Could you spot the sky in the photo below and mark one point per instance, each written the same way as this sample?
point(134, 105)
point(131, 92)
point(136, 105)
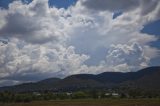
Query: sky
point(41, 39)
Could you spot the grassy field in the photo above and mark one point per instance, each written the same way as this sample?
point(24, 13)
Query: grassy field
point(91, 102)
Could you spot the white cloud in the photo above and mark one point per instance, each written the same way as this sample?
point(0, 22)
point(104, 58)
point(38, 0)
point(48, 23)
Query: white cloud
point(146, 7)
point(133, 56)
point(37, 59)
point(123, 58)
point(47, 42)
point(35, 23)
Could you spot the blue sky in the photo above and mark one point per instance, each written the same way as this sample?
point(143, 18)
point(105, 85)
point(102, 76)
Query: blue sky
point(153, 29)
point(57, 3)
point(62, 4)
point(91, 37)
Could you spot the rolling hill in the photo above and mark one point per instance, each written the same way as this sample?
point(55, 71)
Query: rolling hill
point(148, 78)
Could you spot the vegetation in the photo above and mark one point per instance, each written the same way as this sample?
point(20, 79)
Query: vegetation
point(76, 91)
point(119, 93)
point(90, 102)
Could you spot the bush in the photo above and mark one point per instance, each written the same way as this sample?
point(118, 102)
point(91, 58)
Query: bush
point(79, 95)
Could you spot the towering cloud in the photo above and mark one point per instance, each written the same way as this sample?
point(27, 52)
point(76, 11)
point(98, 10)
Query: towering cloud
point(50, 42)
point(34, 23)
point(120, 55)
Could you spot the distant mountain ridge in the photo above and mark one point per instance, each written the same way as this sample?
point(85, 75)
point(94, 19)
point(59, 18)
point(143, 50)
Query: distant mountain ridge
point(148, 78)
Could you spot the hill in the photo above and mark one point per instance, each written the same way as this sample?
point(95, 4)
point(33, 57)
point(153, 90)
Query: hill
point(148, 78)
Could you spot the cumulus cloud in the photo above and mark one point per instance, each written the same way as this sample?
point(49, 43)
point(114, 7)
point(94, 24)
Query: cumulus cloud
point(146, 7)
point(49, 42)
point(123, 58)
point(121, 54)
point(29, 61)
point(34, 23)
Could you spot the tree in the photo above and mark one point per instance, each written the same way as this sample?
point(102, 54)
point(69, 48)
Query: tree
point(79, 95)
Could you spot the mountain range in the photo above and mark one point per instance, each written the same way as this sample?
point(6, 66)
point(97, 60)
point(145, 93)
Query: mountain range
point(148, 78)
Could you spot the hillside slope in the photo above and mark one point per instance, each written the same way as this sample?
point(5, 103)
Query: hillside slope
point(148, 78)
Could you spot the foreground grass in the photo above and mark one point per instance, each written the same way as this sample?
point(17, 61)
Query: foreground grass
point(91, 102)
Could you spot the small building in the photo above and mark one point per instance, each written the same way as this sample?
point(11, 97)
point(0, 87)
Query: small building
point(115, 94)
point(68, 93)
point(107, 94)
point(36, 93)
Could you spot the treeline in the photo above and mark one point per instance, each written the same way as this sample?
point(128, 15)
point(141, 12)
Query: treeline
point(139, 93)
point(7, 97)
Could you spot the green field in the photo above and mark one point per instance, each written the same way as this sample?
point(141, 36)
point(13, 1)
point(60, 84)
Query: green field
point(91, 102)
